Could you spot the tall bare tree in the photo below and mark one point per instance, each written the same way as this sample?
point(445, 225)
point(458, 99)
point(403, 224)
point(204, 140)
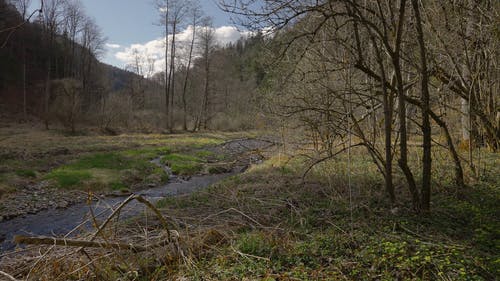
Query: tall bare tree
point(74, 20)
point(172, 12)
point(195, 14)
point(207, 44)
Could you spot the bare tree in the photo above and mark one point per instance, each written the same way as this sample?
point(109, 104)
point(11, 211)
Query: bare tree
point(164, 8)
point(207, 44)
point(52, 19)
point(92, 41)
point(67, 95)
point(173, 12)
point(195, 13)
point(137, 90)
point(368, 45)
point(74, 20)
point(23, 6)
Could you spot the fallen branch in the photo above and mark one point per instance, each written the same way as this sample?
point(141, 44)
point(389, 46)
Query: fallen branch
point(21, 239)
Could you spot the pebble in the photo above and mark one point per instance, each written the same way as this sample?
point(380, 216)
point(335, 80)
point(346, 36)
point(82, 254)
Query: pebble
point(33, 198)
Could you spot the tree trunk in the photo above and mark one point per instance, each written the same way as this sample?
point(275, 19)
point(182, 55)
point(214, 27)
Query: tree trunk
point(47, 96)
point(207, 90)
point(426, 124)
point(403, 143)
point(25, 111)
point(167, 82)
point(171, 75)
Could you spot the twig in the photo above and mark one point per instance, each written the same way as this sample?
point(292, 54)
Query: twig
point(90, 263)
point(249, 255)
point(123, 204)
point(234, 210)
point(8, 276)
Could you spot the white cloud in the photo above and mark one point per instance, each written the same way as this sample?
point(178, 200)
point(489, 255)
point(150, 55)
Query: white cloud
point(229, 34)
point(113, 46)
point(154, 50)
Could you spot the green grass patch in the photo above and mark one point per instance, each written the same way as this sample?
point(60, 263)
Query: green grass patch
point(186, 168)
point(255, 243)
point(147, 153)
point(204, 154)
point(110, 170)
point(111, 160)
point(26, 173)
point(176, 157)
point(68, 178)
point(118, 186)
point(183, 164)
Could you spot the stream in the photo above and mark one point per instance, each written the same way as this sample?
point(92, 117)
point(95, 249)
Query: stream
point(57, 222)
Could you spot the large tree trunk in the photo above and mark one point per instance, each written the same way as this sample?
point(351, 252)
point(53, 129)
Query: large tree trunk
point(403, 143)
point(426, 124)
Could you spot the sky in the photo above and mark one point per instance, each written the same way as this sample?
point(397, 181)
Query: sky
point(132, 24)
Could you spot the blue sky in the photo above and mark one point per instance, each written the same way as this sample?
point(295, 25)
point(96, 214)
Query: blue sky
point(128, 23)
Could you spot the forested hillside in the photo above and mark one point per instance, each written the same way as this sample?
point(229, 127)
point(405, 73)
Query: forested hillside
point(45, 51)
point(50, 71)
